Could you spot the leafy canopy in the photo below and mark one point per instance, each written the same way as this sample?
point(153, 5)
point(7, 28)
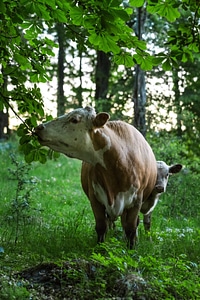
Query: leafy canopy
point(26, 49)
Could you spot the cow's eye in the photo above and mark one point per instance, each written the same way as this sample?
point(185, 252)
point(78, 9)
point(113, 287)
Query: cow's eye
point(74, 120)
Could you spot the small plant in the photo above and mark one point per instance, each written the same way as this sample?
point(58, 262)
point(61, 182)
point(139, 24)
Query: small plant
point(20, 210)
point(113, 255)
point(114, 262)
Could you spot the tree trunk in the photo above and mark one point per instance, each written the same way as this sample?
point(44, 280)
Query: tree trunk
point(177, 101)
point(139, 98)
point(139, 90)
point(79, 91)
point(60, 72)
point(4, 116)
point(3, 125)
point(102, 81)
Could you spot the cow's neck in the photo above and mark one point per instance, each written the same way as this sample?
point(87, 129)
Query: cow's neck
point(98, 144)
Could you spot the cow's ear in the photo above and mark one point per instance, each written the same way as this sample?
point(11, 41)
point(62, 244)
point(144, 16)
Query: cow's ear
point(100, 119)
point(175, 168)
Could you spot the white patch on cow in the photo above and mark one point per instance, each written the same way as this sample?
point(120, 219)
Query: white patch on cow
point(99, 154)
point(123, 200)
point(154, 205)
point(86, 151)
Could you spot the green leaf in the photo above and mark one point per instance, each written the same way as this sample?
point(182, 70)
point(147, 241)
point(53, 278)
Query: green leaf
point(107, 16)
point(51, 3)
point(2, 7)
point(187, 55)
point(1, 106)
point(94, 38)
point(29, 157)
point(89, 22)
point(113, 29)
point(157, 60)
point(56, 155)
point(194, 47)
point(105, 42)
point(167, 65)
point(165, 9)
point(114, 3)
point(122, 14)
point(26, 66)
point(136, 3)
point(108, 44)
point(76, 13)
point(21, 130)
point(33, 119)
point(42, 158)
point(35, 154)
point(26, 148)
point(172, 14)
point(144, 61)
point(59, 15)
point(25, 139)
point(43, 78)
point(33, 77)
point(32, 32)
point(138, 43)
point(125, 59)
point(23, 61)
point(184, 57)
point(26, 24)
point(41, 11)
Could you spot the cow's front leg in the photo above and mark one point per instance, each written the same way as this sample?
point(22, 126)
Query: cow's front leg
point(100, 219)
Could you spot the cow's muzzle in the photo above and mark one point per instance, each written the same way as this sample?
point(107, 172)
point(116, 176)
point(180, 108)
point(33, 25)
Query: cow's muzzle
point(159, 189)
point(38, 131)
point(39, 128)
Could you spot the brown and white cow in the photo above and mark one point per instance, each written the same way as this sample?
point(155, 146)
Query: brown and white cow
point(163, 173)
point(119, 169)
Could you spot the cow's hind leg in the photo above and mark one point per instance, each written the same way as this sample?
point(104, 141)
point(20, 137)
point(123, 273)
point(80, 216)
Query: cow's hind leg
point(147, 225)
point(100, 219)
point(147, 222)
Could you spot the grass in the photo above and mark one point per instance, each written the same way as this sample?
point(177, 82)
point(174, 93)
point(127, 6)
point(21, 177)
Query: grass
point(49, 219)
point(58, 208)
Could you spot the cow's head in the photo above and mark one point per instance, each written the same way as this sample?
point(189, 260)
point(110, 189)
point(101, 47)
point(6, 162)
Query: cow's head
point(163, 172)
point(71, 133)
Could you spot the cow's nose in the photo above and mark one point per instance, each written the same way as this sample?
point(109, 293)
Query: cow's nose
point(39, 128)
point(159, 188)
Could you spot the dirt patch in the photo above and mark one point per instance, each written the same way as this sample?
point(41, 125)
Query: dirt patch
point(80, 279)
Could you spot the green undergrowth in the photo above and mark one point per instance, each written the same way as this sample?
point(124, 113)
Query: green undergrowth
point(45, 218)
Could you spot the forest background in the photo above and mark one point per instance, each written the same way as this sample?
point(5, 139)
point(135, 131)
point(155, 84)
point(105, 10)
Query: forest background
point(139, 61)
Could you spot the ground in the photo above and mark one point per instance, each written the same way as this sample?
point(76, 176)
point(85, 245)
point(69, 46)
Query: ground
point(77, 279)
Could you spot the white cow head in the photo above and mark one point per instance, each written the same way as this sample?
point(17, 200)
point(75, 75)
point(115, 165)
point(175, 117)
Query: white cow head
point(71, 133)
point(163, 172)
